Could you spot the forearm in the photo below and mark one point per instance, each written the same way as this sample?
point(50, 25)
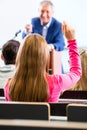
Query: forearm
point(74, 58)
point(59, 46)
point(23, 34)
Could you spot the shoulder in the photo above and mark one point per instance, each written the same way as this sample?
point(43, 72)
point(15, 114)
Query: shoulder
point(36, 22)
point(52, 78)
point(7, 82)
point(55, 23)
point(54, 20)
point(35, 19)
point(6, 90)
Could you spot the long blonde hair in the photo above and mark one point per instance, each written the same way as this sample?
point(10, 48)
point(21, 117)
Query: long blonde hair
point(29, 81)
point(82, 83)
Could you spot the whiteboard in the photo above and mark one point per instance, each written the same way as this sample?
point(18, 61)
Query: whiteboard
point(14, 14)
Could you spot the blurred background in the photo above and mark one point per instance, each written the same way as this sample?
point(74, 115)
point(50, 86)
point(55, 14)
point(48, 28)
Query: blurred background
point(15, 14)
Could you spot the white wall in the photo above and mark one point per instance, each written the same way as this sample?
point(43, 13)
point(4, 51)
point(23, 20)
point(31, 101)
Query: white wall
point(14, 14)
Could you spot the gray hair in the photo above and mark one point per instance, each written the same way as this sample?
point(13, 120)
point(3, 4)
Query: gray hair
point(47, 2)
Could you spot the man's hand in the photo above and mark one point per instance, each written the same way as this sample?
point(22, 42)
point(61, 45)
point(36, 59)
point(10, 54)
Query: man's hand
point(28, 28)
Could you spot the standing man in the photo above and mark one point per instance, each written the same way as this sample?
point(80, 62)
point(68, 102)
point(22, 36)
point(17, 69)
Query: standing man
point(47, 26)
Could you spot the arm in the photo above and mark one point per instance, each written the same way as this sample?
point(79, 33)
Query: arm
point(28, 29)
point(71, 78)
point(55, 36)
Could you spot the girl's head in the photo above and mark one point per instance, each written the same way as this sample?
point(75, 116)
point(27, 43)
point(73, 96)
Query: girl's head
point(34, 54)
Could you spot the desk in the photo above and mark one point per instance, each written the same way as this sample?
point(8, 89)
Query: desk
point(72, 101)
point(41, 125)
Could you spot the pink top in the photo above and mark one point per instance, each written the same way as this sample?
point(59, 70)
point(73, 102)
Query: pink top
point(58, 83)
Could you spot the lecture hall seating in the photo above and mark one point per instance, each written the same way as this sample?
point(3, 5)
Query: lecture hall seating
point(24, 110)
point(73, 94)
point(76, 112)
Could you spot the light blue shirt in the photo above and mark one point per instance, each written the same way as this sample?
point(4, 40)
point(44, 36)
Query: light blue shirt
point(45, 29)
point(44, 32)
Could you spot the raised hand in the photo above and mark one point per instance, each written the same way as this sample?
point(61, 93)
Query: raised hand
point(68, 31)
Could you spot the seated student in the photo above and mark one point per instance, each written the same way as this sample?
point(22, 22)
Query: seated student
point(30, 81)
point(82, 83)
point(8, 55)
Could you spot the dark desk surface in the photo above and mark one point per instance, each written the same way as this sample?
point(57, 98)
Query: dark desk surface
point(59, 109)
point(73, 94)
point(67, 100)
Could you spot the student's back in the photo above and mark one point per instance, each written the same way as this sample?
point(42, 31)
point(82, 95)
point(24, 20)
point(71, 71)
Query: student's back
point(8, 56)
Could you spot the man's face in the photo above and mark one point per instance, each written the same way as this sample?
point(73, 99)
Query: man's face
point(46, 13)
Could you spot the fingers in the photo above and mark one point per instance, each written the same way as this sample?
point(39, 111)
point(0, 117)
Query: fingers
point(68, 31)
point(64, 27)
point(28, 27)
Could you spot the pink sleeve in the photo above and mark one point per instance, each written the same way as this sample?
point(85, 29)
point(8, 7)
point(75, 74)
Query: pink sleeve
point(68, 80)
point(6, 91)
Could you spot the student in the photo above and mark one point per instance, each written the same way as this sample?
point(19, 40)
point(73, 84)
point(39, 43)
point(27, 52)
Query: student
point(82, 83)
point(8, 56)
point(30, 81)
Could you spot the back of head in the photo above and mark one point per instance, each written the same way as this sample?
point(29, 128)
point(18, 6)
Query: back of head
point(83, 80)
point(29, 81)
point(82, 83)
point(34, 52)
point(9, 51)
